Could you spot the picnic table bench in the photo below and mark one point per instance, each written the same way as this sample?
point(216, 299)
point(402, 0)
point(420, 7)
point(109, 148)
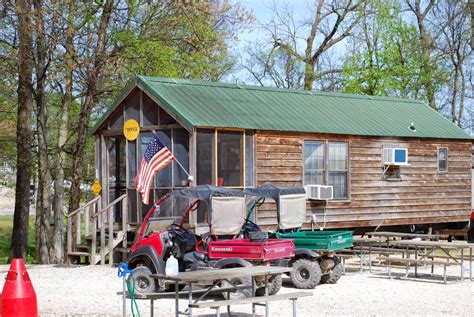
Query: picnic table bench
point(216, 276)
point(408, 261)
point(252, 300)
point(430, 257)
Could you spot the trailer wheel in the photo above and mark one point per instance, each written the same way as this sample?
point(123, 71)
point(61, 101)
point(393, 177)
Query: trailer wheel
point(306, 274)
point(144, 283)
point(274, 285)
point(237, 294)
point(333, 276)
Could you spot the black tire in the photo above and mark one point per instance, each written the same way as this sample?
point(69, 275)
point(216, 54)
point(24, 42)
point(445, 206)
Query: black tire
point(274, 285)
point(144, 283)
point(333, 276)
point(238, 294)
point(306, 274)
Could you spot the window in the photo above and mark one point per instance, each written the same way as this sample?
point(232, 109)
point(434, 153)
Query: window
point(442, 159)
point(314, 163)
point(338, 169)
point(326, 163)
point(229, 163)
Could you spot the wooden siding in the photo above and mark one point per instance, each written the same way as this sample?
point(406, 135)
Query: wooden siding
point(422, 195)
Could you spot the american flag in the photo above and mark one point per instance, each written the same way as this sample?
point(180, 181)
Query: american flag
point(156, 157)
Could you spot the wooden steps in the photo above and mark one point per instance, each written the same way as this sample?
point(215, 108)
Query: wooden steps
point(97, 234)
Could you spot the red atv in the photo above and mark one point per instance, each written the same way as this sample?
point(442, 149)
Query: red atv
point(217, 213)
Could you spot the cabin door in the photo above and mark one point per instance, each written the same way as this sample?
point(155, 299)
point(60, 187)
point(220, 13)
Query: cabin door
point(117, 172)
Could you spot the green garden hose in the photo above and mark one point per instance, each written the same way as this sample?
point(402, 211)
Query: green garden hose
point(133, 300)
point(122, 272)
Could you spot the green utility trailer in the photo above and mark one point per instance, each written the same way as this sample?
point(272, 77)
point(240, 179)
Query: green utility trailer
point(319, 241)
point(315, 260)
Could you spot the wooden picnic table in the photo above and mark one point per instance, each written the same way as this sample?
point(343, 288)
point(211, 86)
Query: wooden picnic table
point(216, 276)
point(383, 238)
point(444, 246)
point(388, 235)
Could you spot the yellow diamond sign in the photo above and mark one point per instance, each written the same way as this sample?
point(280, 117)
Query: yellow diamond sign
point(96, 187)
point(131, 129)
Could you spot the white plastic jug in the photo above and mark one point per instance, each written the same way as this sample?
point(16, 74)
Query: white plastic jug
point(172, 268)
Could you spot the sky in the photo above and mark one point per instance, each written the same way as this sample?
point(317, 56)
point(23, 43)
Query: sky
point(262, 12)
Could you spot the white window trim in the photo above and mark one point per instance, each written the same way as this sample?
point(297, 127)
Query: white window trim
point(438, 159)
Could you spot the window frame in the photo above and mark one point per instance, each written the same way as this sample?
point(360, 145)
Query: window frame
point(326, 166)
point(438, 159)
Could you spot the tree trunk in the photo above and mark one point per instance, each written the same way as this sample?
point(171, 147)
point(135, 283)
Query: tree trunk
point(43, 204)
point(23, 131)
point(461, 99)
point(57, 246)
point(308, 76)
point(86, 108)
point(455, 93)
point(426, 49)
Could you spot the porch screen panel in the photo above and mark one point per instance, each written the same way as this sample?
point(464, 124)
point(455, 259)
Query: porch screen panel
point(132, 205)
point(338, 169)
point(132, 111)
point(150, 111)
point(145, 138)
point(313, 163)
point(205, 157)
point(163, 177)
point(116, 119)
point(112, 151)
point(229, 158)
point(181, 152)
point(132, 162)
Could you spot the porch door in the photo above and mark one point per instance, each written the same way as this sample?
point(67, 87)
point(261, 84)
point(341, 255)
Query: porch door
point(117, 172)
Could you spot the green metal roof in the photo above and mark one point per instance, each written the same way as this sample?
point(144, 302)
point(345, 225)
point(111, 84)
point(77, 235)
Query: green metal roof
point(204, 104)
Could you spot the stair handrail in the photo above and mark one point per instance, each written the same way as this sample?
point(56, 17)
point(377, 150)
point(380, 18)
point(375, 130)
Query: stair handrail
point(110, 205)
point(110, 219)
point(84, 211)
point(100, 220)
point(82, 207)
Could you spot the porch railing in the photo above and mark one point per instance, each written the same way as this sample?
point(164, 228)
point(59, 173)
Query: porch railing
point(96, 217)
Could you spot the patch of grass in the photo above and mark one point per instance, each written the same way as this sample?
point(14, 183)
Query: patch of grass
point(6, 226)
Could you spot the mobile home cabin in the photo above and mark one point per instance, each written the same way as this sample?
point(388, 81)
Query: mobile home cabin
point(389, 161)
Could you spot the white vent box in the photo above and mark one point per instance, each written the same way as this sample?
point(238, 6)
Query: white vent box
point(319, 192)
point(395, 156)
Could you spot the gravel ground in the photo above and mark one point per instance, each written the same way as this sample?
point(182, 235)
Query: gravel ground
point(92, 291)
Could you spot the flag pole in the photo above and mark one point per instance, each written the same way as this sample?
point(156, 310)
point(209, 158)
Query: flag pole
point(190, 178)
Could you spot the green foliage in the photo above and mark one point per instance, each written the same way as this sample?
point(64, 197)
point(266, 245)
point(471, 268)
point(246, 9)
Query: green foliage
point(177, 40)
point(7, 130)
point(389, 62)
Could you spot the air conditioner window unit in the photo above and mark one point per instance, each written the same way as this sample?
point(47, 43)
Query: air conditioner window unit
point(395, 156)
point(319, 192)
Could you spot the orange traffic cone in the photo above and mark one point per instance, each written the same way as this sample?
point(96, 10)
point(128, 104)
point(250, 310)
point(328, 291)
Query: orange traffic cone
point(18, 296)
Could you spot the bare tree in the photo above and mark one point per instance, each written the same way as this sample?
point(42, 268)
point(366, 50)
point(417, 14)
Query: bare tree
point(331, 23)
point(298, 46)
point(454, 44)
point(24, 131)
